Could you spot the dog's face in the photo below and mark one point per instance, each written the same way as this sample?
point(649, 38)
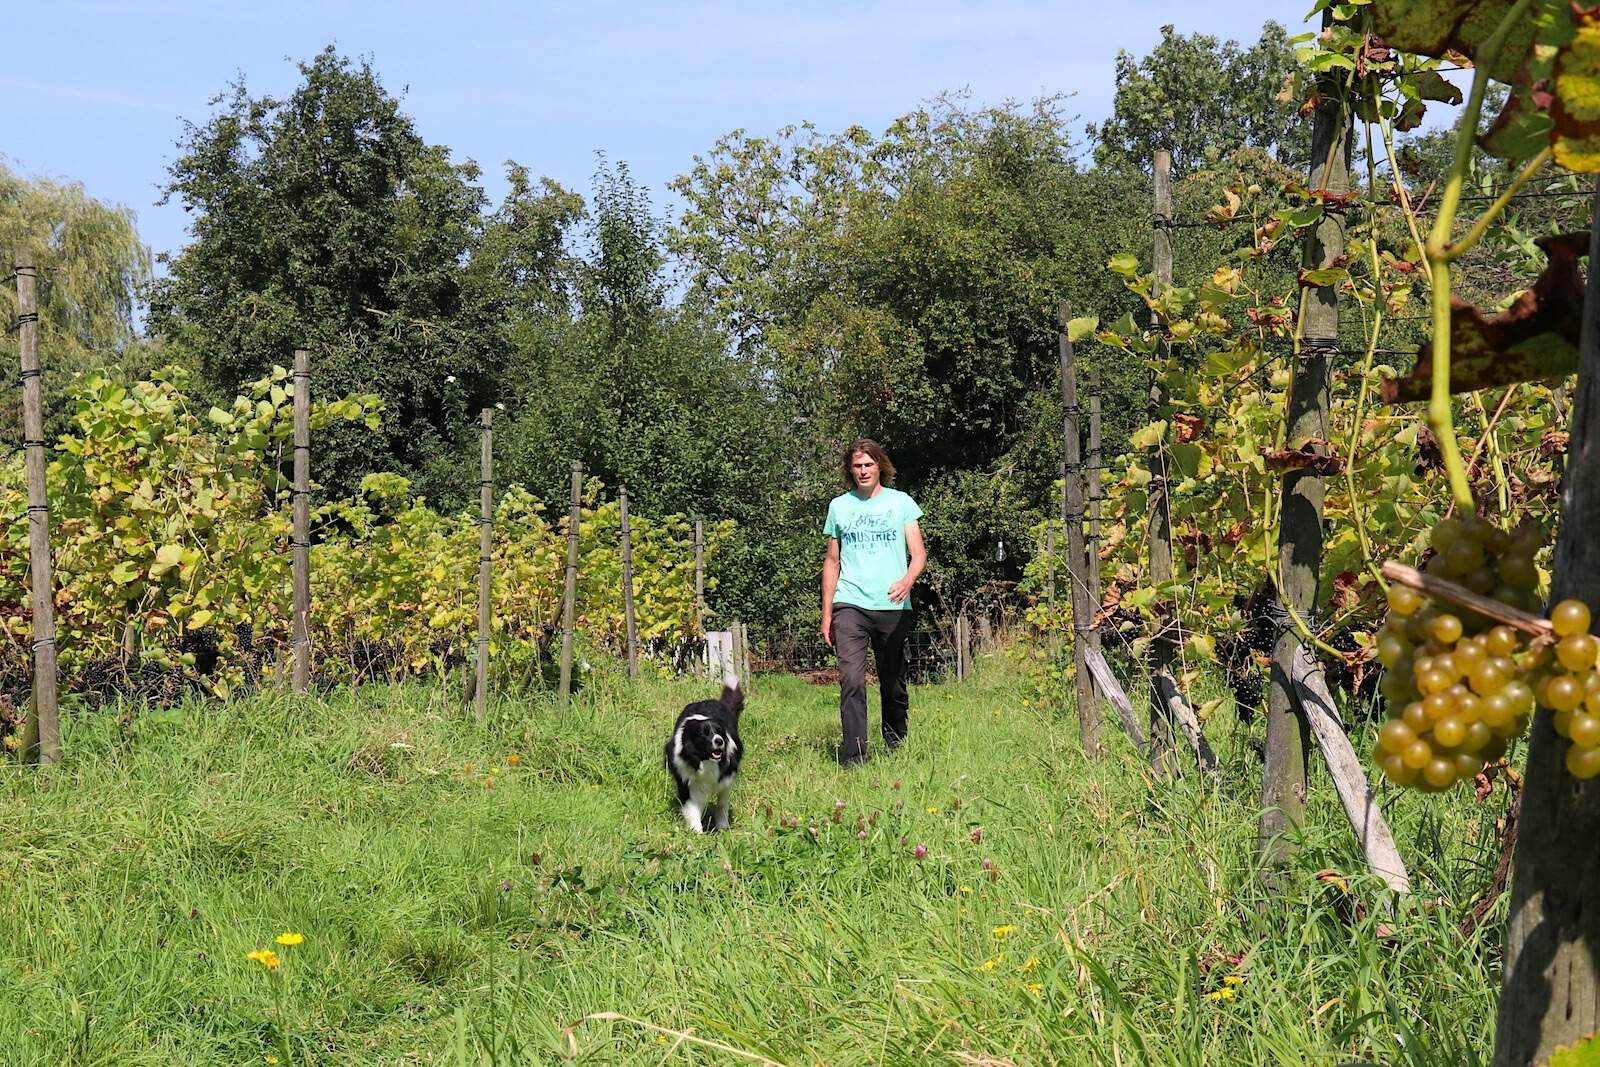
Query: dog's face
point(703, 740)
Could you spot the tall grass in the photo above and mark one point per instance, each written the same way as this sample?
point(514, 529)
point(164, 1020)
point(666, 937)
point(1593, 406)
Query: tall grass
point(450, 920)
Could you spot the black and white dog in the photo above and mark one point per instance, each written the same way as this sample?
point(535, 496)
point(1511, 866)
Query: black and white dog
point(703, 755)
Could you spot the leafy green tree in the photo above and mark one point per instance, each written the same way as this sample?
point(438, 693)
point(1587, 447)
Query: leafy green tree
point(905, 287)
point(92, 271)
point(324, 221)
point(1200, 98)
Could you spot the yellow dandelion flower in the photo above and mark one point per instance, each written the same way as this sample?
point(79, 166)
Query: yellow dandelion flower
point(661, 1039)
point(271, 1059)
point(1030, 964)
point(513, 759)
point(963, 889)
point(1026, 703)
point(1233, 979)
point(1003, 931)
point(289, 938)
point(932, 810)
point(494, 770)
point(1034, 987)
point(1227, 994)
point(991, 963)
point(266, 957)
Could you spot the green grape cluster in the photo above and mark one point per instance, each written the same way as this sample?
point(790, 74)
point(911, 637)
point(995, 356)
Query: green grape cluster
point(1456, 688)
point(1567, 683)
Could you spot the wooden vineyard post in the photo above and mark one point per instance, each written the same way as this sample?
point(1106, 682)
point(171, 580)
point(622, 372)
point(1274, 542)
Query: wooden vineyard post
point(1092, 545)
point(1550, 995)
point(1158, 531)
point(570, 595)
point(1283, 780)
point(744, 654)
point(961, 641)
point(627, 585)
point(480, 695)
point(699, 576)
point(41, 741)
point(300, 539)
point(1077, 557)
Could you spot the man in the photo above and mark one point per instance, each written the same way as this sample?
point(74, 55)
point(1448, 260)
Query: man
point(866, 593)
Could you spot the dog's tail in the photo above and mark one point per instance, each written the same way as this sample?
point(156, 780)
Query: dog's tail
point(732, 693)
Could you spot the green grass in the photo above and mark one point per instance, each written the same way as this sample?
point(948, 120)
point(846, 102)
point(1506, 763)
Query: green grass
point(448, 921)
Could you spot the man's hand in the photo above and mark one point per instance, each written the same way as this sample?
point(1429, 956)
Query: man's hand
point(901, 589)
point(827, 628)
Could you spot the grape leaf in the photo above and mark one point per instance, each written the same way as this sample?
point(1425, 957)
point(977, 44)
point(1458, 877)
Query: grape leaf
point(1536, 338)
point(1582, 1053)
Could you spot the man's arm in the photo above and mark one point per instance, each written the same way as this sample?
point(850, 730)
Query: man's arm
point(919, 559)
point(830, 582)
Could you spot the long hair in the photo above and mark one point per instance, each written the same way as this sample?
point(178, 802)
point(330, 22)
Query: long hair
point(873, 449)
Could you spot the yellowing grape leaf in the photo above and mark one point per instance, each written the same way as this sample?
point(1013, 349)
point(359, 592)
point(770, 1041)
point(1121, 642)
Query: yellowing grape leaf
point(1535, 338)
point(1435, 27)
point(1584, 1053)
point(1550, 58)
point(1575, 108)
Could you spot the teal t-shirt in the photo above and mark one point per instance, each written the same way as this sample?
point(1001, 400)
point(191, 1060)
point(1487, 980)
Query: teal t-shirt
point(872, 546)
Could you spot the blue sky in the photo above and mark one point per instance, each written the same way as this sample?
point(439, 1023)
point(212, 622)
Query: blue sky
point(101, 91)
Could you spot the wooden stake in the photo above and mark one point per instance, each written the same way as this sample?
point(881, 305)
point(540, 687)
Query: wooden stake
point(42, 733)
point(1349, 780)
point(627, 586)
point(961, 658)
point(570, 598)
point(300, 540)
point(480, 696)
point(699, 576)
point(1299, 563)
point(1179, 711)
point(744, 655)
point(1550, 995)
point(1092, 545)
point(1072, 492)
point(1113, 691)
point(1158, 531)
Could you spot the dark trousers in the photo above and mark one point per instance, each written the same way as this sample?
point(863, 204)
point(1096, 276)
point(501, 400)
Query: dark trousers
point(885, 632)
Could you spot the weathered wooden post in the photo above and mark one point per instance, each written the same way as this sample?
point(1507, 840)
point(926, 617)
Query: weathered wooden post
point(1550, 995)
point(42, 733)
point(1283, 781)
point(300, 539)
point(1158, 531)
point(699, 575)
point(570, 597)
point(1077, 556)
point(627, 585)
point(1096, 461)
point(963, 655)
point(480, 696)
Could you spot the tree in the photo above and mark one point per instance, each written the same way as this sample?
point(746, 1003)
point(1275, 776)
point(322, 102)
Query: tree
point(1199, 99)
point(92, 271)
point(904, 287)
point(324, 221)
